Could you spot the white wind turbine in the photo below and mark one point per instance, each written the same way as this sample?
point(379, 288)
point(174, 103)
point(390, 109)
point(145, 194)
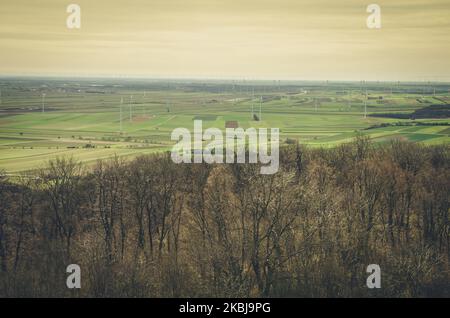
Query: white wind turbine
point(260, 106)
point(131, 111)
point(121, 104)
point(365, 105)
point(253, 103)
point(43, 102)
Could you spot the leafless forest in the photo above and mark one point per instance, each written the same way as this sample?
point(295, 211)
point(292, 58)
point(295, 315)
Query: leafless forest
point(152, 228)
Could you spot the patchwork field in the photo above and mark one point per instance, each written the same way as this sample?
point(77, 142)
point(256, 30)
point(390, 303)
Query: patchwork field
point(86, 119)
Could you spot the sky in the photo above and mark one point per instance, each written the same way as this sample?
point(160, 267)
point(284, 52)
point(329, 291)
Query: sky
point(229, 39)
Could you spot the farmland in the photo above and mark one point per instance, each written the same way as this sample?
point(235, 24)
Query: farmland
point(85, 118)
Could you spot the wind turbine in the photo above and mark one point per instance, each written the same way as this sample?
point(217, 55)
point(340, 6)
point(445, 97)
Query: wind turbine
point(365, 105)
point(260, 106)
point(0, 97)
point(43, 102)
point(253, 102)
point(131, 112)
point(121, 103)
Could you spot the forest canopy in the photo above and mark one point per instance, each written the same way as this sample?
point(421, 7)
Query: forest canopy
point(152, 228)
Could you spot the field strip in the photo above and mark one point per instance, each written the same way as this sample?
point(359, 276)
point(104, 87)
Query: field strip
point(168, 119)
point(53, 130)
point(36, 155)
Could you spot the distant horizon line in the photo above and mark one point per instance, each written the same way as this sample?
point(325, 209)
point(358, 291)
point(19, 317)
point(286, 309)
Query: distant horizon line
point(225, 78)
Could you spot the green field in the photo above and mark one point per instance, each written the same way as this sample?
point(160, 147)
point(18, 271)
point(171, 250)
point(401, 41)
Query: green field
point(81, 118)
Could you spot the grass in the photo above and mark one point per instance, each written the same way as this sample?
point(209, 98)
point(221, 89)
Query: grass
point(76, 117)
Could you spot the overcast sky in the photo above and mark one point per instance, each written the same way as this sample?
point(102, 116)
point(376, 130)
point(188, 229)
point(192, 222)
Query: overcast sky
point(277, 39)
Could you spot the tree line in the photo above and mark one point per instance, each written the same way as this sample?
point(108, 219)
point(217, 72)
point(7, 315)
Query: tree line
point(152, 228)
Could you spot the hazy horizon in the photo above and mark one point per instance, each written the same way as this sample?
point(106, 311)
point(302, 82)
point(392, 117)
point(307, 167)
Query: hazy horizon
point(235, 80)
